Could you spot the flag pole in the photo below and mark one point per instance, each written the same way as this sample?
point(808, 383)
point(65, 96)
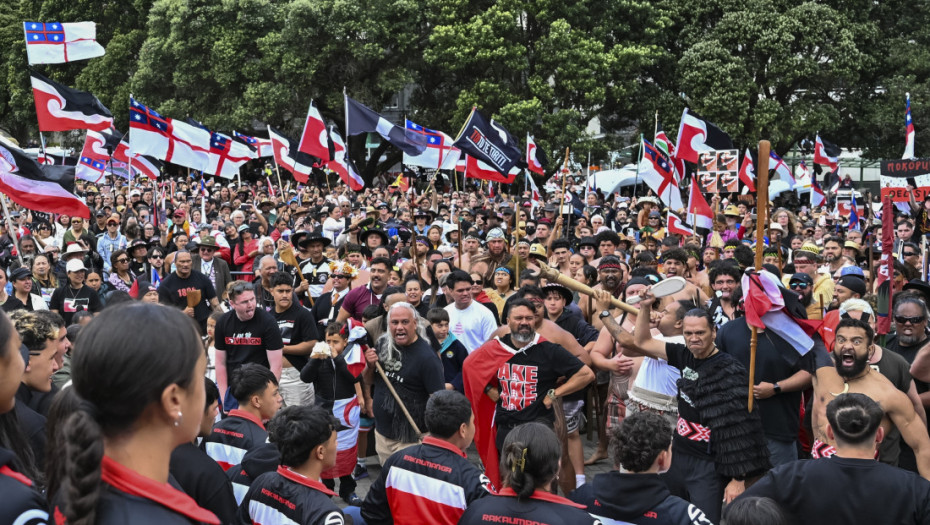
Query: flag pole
point(762, 191)
point(564, 180)
point(9, 226)
point(636, 180)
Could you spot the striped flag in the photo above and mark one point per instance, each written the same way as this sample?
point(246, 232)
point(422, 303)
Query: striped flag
point(909, 131)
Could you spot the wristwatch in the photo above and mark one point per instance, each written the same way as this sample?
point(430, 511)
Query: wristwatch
point(777, 388)
point(551, 394)
point(604, 315)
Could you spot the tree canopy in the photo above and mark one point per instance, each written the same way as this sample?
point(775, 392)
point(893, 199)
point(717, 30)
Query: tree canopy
point(772, 69)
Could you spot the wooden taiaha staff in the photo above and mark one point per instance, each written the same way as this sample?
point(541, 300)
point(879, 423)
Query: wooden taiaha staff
point(553, 275)
point(400, 403)
point(762, 208)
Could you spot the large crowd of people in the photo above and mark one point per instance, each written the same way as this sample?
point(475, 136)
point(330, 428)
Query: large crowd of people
point(241, 355)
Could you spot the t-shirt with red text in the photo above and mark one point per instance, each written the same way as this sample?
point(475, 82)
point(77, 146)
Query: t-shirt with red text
point(526, 378)
point(173, 290)
point(247, 341)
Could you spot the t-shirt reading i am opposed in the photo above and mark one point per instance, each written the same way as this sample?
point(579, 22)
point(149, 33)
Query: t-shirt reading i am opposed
point(68, 301)
point(247, 341)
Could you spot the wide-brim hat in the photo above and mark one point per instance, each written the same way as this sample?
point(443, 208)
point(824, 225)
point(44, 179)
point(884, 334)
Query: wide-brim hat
point(206, 242)
point(315, 237)
point(563, 291)
point(74, 248)
point(363, 237)
point(650, 200)
point(298, 237)
point(919, 286)
point(423, 213)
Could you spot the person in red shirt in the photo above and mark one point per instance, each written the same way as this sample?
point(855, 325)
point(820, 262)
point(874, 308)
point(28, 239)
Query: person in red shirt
point(245, 252)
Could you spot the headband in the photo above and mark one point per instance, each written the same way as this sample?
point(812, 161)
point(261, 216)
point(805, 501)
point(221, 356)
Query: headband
point(504, 269)
point(608, 265)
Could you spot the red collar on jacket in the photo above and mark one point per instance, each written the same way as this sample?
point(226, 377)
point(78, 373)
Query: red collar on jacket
point(542, 496)
point(246, 415)
point(130, 482)
point(304, 480)
point(430, 440)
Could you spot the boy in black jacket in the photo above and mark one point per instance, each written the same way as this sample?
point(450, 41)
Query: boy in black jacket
point(642, 447)
point(451, 351)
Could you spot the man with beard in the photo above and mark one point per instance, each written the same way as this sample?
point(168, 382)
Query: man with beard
point(610, 277)
point(495, 257)
point(871, 492)
point(414, 371)
point(911, 339)
point(803, 286)
point(724, 279)
point(518, 372)
point(832, 255)
point(714, 420)
point(851, 374)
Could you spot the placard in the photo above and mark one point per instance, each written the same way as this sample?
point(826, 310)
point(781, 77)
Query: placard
point(897, 175)
point(718, 171)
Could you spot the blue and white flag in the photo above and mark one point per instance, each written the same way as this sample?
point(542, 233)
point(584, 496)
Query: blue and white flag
point(439, 152)
point(56, 43)
point(362, 119)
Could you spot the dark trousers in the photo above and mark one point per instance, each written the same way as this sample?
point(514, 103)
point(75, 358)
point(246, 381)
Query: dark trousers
point(347, 485)
point(694, 479)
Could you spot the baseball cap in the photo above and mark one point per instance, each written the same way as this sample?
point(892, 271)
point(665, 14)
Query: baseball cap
point(75, 265)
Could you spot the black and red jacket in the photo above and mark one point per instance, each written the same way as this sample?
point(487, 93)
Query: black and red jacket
point(636, 499)
point(21, 502)
point(285, 497)
point(542, 508)
point(429, 483)
point(129, 497)
point(233, 437)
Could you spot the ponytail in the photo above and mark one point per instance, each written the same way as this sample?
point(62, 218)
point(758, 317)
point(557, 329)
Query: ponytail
point(530, 459)
point(82, 442)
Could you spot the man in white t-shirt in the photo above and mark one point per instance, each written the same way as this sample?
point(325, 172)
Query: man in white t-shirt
point(471, 322)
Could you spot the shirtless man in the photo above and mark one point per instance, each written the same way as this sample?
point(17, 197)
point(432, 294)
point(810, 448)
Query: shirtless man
point(675, 264)
point(610, 278)
point(496, 256)
point(852, 374)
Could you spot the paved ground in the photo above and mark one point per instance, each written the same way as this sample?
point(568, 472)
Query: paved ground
point(374, 469)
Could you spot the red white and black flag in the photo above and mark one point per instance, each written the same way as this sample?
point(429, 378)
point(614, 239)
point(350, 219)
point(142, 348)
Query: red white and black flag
point(315, 140)
point(31, 186)
point(287, 156)
point(696, 135)
point(60, 108)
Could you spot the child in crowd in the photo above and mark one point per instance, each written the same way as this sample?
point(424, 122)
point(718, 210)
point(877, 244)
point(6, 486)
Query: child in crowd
point(335, 369)
point(209, 344)
point(450, 350)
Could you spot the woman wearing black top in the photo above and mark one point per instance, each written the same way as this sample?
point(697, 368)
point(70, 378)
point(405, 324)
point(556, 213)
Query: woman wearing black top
point(529, 464)
point(114, 451)
point(21, 502)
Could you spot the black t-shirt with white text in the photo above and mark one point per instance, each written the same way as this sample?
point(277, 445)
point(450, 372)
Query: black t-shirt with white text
point(247, 341)
point(297, 325)
point(526, 378)
point(68, 301)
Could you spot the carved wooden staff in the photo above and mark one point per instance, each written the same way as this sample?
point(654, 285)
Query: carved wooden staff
point(762, 207)
point(553, 275)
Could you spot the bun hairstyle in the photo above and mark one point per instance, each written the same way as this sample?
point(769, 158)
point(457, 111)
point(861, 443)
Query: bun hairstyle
point(530, 458)
point(854, 419)
point(122, 364)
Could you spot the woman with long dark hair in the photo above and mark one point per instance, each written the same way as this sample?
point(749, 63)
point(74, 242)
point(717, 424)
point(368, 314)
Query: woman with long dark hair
point(530, 462)
point(120, 277)
point(135, 408)
point(21, 502)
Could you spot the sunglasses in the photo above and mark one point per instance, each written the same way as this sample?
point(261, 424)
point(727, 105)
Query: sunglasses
point(112, 224)
point(156, 257)
point(909, 254)
point(336, 276)
point(900, 319)
point(122, 260)
point(799, 286)
point(76, 222)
